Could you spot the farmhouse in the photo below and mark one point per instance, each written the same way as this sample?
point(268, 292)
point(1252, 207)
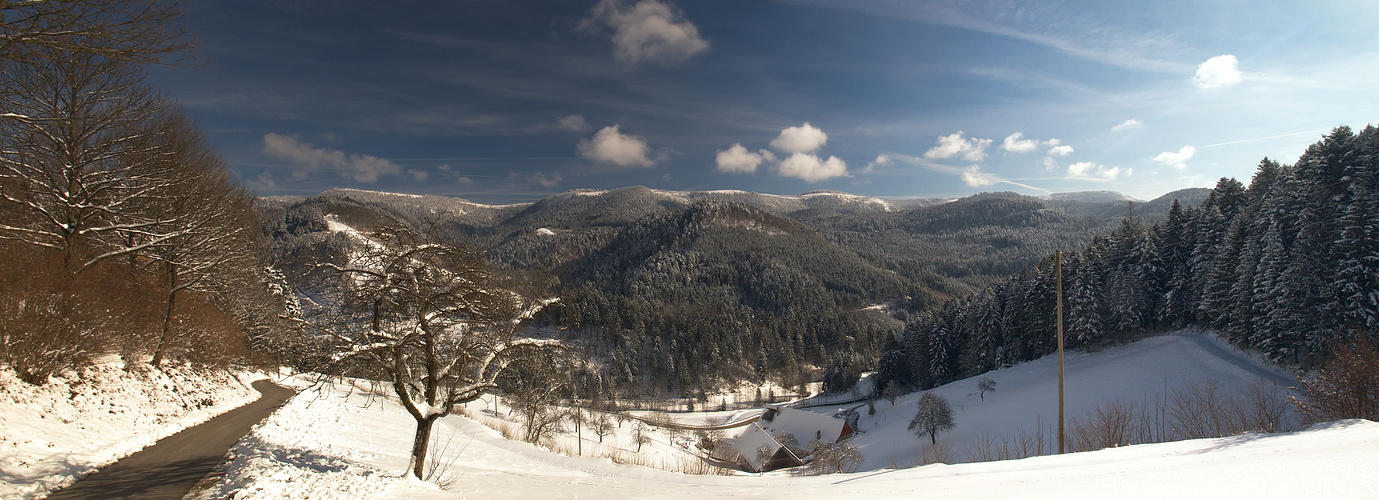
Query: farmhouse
point(781, 438)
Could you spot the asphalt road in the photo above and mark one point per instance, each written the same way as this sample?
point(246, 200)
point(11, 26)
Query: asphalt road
point(172, 466)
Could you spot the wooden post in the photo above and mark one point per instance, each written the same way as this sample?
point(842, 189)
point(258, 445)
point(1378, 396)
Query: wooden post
point(1058, 271)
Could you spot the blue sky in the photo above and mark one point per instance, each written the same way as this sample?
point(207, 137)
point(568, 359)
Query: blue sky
point(511, 101)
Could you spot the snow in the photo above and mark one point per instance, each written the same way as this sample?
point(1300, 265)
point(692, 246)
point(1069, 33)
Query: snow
point(545, 232)
point(341, 442)
point(82, 420)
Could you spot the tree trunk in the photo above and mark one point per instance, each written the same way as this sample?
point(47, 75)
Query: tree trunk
point(933, 437)
point(158, 351)
point(419, 445)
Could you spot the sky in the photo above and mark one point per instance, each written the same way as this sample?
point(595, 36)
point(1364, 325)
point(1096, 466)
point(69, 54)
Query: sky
point(512, 101)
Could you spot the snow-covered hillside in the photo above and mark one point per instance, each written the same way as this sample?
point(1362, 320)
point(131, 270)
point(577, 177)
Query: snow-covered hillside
point(84, 419)
point(340, 443)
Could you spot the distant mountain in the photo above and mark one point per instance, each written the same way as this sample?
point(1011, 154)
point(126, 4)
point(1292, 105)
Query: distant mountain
point(1090, 197)
point(732, 283)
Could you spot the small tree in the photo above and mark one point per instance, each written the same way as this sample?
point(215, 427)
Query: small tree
point(640, 436)
point(985, 385)
point(934, 415)
point(601, 426)
point(892, 391)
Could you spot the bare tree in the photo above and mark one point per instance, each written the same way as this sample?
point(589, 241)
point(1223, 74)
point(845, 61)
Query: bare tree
point(430, 318)
point(934, 415)
point(602, 426)
point(209, 239)
point(76, 166)
point(641, 435)
point(985, 385)
point(143, 31)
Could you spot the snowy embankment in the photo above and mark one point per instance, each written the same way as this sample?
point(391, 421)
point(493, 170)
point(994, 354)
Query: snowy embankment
point(339, 442)
point(84, 419)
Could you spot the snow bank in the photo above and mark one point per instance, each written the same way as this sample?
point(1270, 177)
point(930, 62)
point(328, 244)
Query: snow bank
point(336, 444)
point(82, 420)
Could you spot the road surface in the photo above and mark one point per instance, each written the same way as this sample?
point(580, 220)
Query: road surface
point(172, 466)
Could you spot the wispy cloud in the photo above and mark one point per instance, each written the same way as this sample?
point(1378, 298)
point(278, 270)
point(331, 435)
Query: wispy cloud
point(972, 175)
point(307, 158)
point(1130, 124)
point(1068, 28)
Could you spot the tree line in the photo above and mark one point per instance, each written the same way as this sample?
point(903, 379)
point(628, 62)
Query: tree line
point(1287, 266)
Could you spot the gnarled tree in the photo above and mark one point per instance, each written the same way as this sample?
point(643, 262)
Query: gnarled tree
point(433, 320)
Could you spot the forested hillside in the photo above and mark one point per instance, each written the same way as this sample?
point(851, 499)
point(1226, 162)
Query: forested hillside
point(1286, 266)
point(682, 292)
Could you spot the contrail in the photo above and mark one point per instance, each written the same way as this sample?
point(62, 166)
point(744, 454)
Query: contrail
point(1260, 139)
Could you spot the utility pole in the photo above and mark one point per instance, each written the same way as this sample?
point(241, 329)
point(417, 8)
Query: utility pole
point(1058, 272)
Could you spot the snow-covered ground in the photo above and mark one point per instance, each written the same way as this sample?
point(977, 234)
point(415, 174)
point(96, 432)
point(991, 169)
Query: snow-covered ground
point(82, 420)
point(340, 442)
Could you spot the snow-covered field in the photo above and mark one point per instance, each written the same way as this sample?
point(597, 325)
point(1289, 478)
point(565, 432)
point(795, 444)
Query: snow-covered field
point(340, 442)
point(82, 420)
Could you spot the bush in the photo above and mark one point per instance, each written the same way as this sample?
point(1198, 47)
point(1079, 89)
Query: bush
point(1346, 386)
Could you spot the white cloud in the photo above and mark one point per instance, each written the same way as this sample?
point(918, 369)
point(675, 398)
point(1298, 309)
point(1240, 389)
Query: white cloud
point(309, 158)
point(649, 31)
point(1015, 143)
point(1092, 171)
point(881, 161)
point(611, 146)
point(574, 123)
point(1130, 124)
point(1063, 150)
point(738, 159)
point(974, 177)
point(1217, 72)
point(1177, 160)
point(419, 175)
point(802, 139)
point(811, 169)
point(948, 146)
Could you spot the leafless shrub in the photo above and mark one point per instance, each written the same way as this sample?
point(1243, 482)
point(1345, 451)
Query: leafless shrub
point(1346, 386)
point(1114, 423)
point(987, 447)
point(1266, 408)
point(937, 453)
point(829, 458)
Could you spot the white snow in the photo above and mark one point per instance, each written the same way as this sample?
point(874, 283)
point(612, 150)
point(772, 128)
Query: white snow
point(338, 442)
point(82, 420)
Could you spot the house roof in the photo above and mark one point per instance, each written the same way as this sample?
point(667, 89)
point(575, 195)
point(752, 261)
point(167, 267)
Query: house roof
point(805, 426)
